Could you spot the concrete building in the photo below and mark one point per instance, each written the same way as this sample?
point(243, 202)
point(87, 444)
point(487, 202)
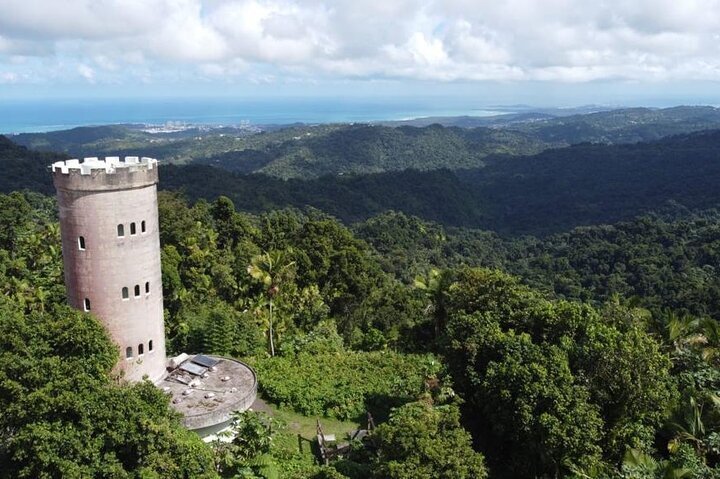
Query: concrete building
point(111, 255)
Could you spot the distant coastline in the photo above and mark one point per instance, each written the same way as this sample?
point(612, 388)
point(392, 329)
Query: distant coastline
point(36, 116)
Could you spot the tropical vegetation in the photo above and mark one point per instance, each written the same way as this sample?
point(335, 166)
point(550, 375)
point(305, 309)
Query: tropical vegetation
point(590, 349)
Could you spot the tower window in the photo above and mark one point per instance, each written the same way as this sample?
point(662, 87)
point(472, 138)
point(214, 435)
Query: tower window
point(141, 349)
point(125, 293)
point(147, 287)
point(132, 228)
point(150, 345)
point(128, 352)
point(121, 231)
point(137, 290)
point(86, 304)
point(142, 226)
point(81, 243)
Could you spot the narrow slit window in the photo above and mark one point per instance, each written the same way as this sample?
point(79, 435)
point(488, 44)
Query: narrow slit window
point(142, 226)
point(150, 346)
point(132, 228)
point(137, 290)
point(141, 349)
point(128, 352)
point(147, 287)
point(125, 293)
point(86, 304)
point(81, 243)
point(121, 231)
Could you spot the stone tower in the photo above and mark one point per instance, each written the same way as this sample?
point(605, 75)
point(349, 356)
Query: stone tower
point(111, 253)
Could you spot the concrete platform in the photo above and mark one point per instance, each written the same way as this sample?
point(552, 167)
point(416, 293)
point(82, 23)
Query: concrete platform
point(208, 400)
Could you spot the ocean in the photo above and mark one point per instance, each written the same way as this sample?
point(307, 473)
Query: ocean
point(49, 115)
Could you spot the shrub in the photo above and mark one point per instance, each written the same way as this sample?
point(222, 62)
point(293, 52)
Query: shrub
point(345, 385)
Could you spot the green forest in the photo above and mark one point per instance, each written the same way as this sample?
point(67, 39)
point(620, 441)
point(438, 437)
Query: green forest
point(550, 313)
point(541, 194)
point(561, 370)
point(312, 151)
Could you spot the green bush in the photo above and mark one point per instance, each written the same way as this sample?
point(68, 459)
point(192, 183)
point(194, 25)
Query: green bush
point(345, 385)
point(323, 339)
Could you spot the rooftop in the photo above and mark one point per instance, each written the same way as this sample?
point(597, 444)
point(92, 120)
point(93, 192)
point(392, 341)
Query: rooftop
point(207, 389)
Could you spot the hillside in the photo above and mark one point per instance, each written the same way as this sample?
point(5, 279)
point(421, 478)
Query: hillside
point(306, 151)
point(436, 195)
point(25, 169)
point(663, 261)
point(628, 125)
point(297, 151)
point(549, 192)
point(604, 125)
point(553, 191)
point(362, 149)
point(590, 184)
point(172, 146)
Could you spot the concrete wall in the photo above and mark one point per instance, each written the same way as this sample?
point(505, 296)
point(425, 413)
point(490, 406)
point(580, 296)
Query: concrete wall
point(92, 204)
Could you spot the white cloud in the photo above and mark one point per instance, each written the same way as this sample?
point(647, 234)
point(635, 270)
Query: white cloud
point(45, 20)
point(445, 40)
point(8, 77)
point(86, 72)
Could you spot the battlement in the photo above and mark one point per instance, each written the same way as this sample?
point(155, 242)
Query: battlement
point(110, 173)
point(110, 164)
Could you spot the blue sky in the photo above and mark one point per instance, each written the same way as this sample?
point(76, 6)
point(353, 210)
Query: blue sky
point(542, 52)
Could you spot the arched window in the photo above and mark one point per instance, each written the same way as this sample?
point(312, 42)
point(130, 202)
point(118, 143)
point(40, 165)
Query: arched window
point(147, 287)
point(141, 349)
point(132, 229)
point(125, 293)
point(150, 345)
point(121, 231)
point(86, 304)
point(142, 226)
point(137, 290)
point(128, 352)
point(81, 243)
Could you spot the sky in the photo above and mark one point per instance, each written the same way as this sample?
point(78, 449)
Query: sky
point(562, 52)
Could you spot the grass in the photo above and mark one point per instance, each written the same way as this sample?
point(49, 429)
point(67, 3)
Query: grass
point(302, 429)
point(295, 443)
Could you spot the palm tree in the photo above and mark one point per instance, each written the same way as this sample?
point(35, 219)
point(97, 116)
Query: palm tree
point(433, 284)
point(689, 427)
point(645, 463)
point(710, 330)
point(272, 269)
point(683, 330)
point(701, 334)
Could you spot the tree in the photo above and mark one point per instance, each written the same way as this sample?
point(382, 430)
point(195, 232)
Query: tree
point(328, 255)
point(247, 455)
point(422, 441)
point(433, 285)
point(14, 214)
point(551, 382)
point(272, 269)
point(61, 416)
point(530, 416)
point(231, 226)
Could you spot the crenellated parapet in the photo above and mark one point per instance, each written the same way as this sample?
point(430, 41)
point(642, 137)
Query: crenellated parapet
point(110, 173)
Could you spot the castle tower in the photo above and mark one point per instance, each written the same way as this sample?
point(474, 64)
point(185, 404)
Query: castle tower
point(111, 253)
